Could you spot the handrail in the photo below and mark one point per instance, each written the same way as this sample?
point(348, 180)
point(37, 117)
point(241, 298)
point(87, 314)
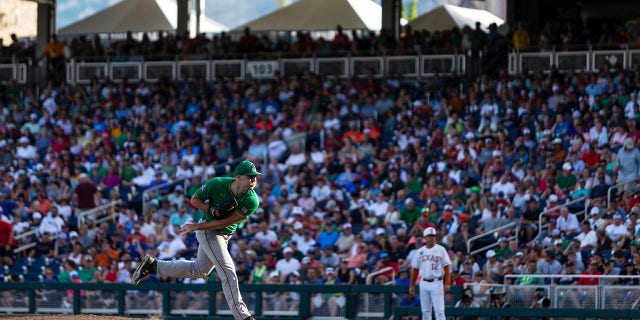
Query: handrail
point(25, 247)
point(81, 216)
point(146, 192)
point(26, 234)
point(500, 228)
point(558, 276)
point(546, 212)
point(615, 186)
point(381, 271)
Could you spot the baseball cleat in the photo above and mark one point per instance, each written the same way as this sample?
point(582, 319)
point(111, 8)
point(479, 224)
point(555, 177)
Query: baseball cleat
point(144, 268)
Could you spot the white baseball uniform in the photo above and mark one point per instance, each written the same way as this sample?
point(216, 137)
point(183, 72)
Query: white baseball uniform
point(430, 263)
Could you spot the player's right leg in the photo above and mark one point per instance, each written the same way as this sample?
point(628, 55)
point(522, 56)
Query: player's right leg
point(425, 300)
point(199, 268)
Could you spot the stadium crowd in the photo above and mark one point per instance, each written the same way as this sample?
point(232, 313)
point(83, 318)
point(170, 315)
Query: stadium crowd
point(354, 170)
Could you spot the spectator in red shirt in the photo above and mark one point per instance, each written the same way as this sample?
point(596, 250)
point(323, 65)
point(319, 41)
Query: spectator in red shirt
point(6, 243)
point(591, 158)
point(591, 270)
point(86, 193)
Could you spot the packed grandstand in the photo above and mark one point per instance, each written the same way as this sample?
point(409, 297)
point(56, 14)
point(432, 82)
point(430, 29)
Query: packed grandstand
point(354, 169)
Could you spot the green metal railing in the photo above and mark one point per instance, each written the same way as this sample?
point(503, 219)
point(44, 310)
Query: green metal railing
point(120, 293)
point(519, 313)
point(214, 308)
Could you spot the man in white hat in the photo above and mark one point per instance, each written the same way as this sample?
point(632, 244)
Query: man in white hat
point(25, 150)
point(431, 262)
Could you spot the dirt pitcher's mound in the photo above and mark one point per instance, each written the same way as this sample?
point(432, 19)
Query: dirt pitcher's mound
point(4, 316)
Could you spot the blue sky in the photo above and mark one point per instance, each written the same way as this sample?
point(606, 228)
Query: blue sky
point(230, 13)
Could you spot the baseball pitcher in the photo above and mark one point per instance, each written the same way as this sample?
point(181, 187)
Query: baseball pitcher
point(226, 202)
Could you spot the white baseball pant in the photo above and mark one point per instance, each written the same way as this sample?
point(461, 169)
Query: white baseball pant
point(212, 252)
point(432, 295)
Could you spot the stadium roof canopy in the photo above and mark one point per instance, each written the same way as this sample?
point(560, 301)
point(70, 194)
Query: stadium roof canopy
point(320, 15)
point(137, 16)
point(448, 16)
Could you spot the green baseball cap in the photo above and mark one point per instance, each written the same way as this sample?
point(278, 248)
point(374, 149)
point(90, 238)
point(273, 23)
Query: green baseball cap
point(247, 168)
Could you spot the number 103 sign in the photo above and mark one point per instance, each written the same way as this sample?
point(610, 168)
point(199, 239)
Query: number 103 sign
point(263, 69)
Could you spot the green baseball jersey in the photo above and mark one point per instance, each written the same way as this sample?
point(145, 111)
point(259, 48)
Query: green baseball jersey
point(218, 190)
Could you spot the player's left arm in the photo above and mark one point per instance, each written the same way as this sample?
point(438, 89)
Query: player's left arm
point(447, 278)
point(447, 270)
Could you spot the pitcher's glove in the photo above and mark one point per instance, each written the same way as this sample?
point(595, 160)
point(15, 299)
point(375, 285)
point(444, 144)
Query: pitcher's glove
point(222, 210)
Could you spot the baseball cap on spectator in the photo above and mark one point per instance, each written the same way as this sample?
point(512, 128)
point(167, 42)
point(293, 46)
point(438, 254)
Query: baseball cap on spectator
point(469, 135)
point(617, 216)
point(295, 273)
point(430, 231)
point(502, 239)
point(362, 202)
point(324, 171)
point(73, 234)
point(178, 188)
point(23, 139)
point(306, 260)
point(557, 242)
point(36, 215)
point(287, 250)
point(546, 132)
point(383, 255)
point(553, 198)
point(346, 225)
point(298, 225)
point(380, 231)
point(628, 143)
point(519, 254)
point(491, 254)
point(557, 141)
point(311, 251)
point(555, 233)
point(297, 210)
point(273, 243)
point(594, 211)
point(3, 143)
point(567, 166)
point(526, 131)
point(497, 153)
point(73, 275)
point(577, 114)
point(329, 270)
